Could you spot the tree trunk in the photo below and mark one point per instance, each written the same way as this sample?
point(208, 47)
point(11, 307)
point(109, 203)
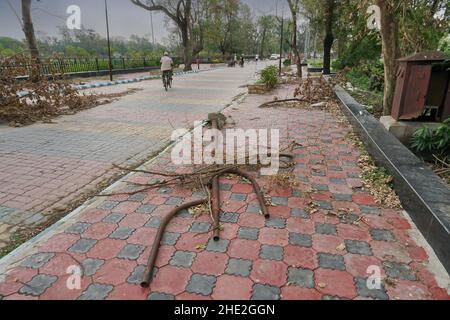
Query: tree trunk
point(294, 7)
point(391, 52)
point(329, 37)
point(187, 49)
point(263, 40)
point(28, 30)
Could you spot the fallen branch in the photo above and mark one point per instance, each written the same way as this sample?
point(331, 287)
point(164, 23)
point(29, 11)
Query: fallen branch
point(265, 105)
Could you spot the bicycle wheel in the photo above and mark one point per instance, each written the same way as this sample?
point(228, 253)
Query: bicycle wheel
point(165, 82)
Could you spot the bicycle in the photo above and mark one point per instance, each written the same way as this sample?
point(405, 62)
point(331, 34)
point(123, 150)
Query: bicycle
point(167, 80)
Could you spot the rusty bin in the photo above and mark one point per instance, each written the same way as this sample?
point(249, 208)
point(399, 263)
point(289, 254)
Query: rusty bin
point(417, 87)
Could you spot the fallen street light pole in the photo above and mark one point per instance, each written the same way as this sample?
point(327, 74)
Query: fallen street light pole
point(281, 42)
point(213, 201)
point(148, 274)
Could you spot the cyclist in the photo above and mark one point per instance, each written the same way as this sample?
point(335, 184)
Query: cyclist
point(167, 66)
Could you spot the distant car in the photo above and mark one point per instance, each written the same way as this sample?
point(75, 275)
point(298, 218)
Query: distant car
point(274, 57)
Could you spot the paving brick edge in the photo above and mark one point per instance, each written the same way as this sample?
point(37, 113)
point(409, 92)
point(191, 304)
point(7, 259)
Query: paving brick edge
point(424, 195)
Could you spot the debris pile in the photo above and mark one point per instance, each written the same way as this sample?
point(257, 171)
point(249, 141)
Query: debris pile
point(26, 100)
point(206, 179)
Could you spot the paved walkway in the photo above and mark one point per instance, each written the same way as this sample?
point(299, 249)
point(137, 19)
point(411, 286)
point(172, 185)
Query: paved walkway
point(45, 169)
point(297, 254)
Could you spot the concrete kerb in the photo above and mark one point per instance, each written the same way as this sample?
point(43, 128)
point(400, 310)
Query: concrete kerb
point(23, 94)
point(28, 248)
point(424, 195)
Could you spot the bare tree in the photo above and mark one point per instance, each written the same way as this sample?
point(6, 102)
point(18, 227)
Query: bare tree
point(391, 50)
point(294, 6)
point(28, 30)
point(184, 13)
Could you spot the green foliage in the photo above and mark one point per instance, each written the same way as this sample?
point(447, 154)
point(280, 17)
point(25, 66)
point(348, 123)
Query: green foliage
point(422, 24)
point(287, 62)
point(434, 141)
point(87, 43)
point(368, 76)
point(368, 49)
point(229, 28)
point(10, 46)
point(444, 45)
point(269, 76)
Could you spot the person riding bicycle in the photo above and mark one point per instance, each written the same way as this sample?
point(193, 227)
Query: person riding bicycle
point(167, 65)
point(242, 61)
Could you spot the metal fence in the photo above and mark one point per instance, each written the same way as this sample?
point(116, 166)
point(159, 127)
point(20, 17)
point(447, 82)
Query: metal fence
point(78, 65)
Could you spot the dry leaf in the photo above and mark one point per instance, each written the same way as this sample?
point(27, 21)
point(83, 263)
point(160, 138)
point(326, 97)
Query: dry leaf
point(201, 247)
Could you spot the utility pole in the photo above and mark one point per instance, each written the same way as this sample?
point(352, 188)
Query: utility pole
point(109, 43)
point(281, 41)
point(151, 24)
point(153, 30)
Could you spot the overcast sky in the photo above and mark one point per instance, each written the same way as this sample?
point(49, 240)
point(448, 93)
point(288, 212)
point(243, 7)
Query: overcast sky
point(125, 18)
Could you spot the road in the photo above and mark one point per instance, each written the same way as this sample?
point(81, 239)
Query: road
point(47, 169)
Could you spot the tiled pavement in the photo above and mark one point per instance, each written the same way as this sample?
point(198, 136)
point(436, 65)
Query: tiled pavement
point(46, 167)
point(295, 255)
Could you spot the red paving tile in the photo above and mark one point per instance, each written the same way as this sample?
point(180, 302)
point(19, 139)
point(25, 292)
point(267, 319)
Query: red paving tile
point(106, 249)
point(276, 237)
point(335, 283)
point(59, 265)
point(327, 243)
point(59, 243)
point(244, 249)
point(143, 236)
point(128, 292)
point(252, 221)
point(232, 288)
point(269, 272)
point(191, 241)
point(99, 231)
point(358, 265)
point(114, 272)
point(93, 215)
point(297, 293)
point(171, 280)
point(351, 232)
point(298, 257)
point(211, 263)
point(298, 225)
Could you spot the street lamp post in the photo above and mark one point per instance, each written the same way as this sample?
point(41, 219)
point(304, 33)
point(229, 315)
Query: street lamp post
point(151, 25)
point(281, 41)
point(109, 43)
